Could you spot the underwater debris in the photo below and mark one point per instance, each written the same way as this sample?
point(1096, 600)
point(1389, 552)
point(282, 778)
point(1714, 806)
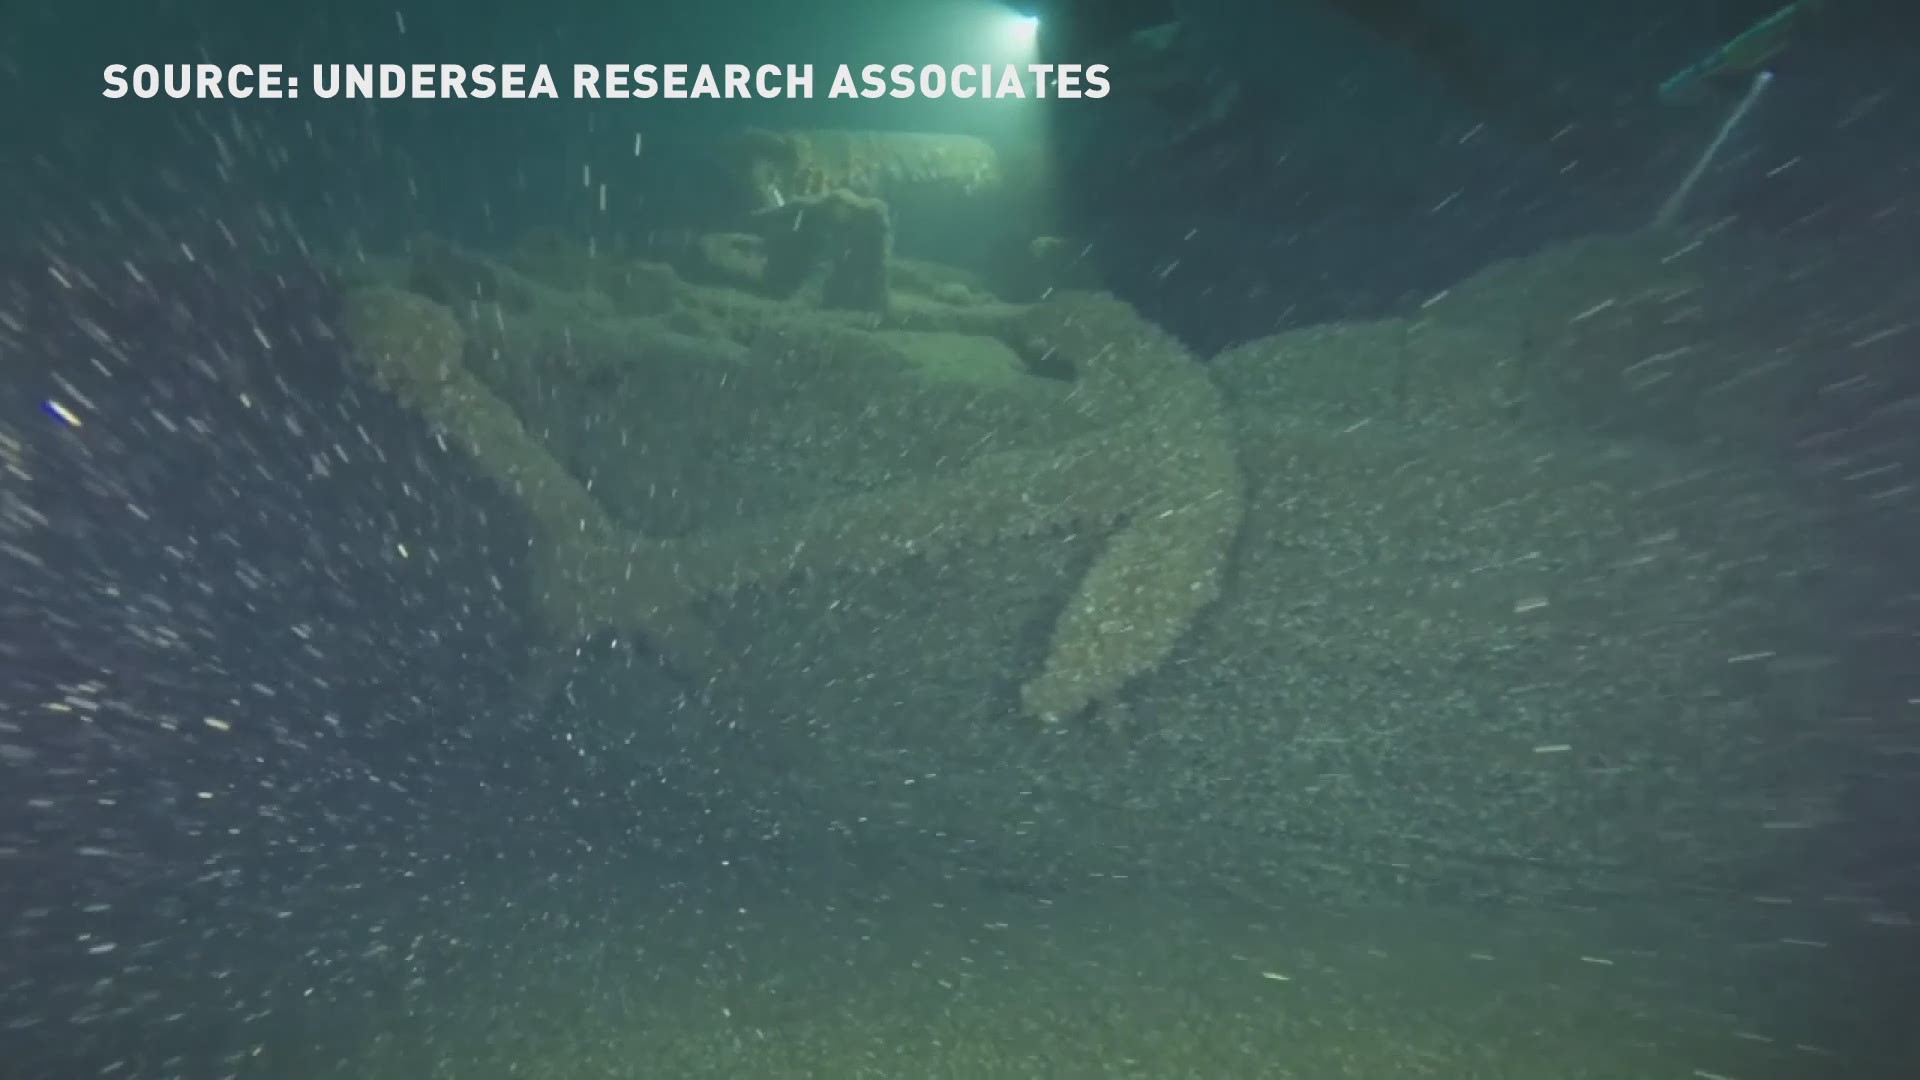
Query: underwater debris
point(1399, 496)
point(1746, 54)
point(1158, 469)
point(845, 237)
point(768, 169)
point(412, 347)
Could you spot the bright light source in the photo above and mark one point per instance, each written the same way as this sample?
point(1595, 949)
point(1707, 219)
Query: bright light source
point(1023, 31)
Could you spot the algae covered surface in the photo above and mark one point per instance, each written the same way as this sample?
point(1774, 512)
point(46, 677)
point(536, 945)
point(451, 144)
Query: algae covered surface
point(867, 972)
point(1191, 666)
point(1169, 603)
point(970, 686)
